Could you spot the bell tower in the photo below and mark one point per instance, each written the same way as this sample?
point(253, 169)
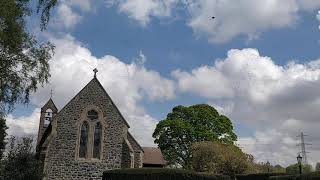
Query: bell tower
point(48, 112)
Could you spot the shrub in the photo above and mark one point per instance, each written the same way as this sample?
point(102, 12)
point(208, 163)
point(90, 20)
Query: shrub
point(258, 176)
point(158, 174)
point(294, 169)
point(218, 158)
point(308, 176)
point(20, 162)
point(287, 177)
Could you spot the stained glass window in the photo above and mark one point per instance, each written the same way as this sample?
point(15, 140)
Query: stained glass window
point(97, 140)
point(83, 140)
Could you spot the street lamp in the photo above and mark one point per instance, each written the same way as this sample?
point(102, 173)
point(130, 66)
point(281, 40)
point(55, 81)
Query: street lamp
point(299, 159)
point(268, 166)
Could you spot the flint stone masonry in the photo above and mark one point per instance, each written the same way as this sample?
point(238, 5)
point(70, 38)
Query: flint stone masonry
point(138, 154)
point(126, 159)
point(61, 154)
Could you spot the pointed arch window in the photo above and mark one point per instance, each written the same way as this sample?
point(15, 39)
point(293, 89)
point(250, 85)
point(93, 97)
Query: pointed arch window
point(83, 140)
point(97, 140)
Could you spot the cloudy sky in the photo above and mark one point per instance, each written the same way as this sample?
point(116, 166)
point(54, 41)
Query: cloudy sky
point(257, 62)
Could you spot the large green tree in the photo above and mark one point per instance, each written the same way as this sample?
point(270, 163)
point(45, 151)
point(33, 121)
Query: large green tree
point(23, 60)
point(186, 125)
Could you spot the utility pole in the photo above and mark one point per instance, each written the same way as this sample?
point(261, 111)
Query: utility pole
point(303, 148)
point(51, 93)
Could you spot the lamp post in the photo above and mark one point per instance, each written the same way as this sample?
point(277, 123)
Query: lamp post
point(268, 166)
point(299, 159)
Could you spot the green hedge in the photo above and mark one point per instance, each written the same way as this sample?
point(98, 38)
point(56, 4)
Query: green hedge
point(178, 174)
point(287, 177)
point(258, 176)
point(309, 176)
point(279, 176)
point(158, 174)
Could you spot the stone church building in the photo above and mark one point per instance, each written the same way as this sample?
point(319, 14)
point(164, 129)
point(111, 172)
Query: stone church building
point(89, 136)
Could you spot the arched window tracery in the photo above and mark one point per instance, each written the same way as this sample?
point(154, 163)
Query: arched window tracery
point(97, 140)
point(92, 114)
point(83, 146)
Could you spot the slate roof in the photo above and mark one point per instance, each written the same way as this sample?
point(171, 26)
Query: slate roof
point(153, 155)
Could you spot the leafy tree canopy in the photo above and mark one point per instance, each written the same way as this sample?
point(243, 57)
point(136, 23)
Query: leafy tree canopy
point(218, 158)
point(23, 61)
point(186, 125)
point(44, 7)
point(264, 167)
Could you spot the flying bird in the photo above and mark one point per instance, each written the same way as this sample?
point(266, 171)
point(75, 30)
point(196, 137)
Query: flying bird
point(213, 17)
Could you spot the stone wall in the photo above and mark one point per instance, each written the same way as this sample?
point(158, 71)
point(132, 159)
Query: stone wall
point(62, 160)
point(126, 159)
point(138, 151)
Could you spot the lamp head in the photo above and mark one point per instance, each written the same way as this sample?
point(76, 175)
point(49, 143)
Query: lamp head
point(299, 158)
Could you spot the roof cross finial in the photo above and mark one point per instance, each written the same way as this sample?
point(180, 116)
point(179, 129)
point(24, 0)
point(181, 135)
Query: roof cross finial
point(95, 72)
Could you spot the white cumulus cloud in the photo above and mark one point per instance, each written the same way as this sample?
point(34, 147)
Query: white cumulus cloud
point(234, 18)
point(84, 5)
point(276, 101)
point(309, 4)
point(143, 10)
point(23, 125)
point(65, 17)
point(70, 13)
point(247, 18)
point(318, 17)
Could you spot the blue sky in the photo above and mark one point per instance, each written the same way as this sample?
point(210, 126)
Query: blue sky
point(170, 52)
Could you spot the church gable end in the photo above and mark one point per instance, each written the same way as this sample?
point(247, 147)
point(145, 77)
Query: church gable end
point(87, 136)
point(94, 93)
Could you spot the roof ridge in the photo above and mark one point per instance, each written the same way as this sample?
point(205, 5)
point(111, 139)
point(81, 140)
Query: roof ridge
point(74, 96)
point(113, 104)
point(48, 102)
point(129, 134)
